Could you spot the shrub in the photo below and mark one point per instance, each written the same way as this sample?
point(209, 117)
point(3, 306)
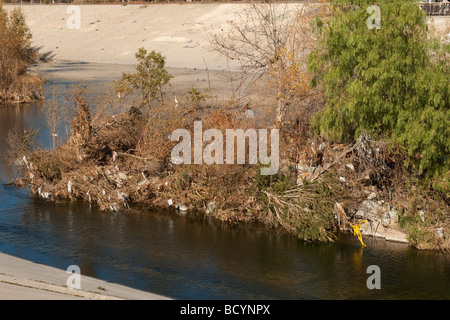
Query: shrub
point(50, 167)
point(15, 57)
point(391, 82)
point(150, 79)
point(304, 210)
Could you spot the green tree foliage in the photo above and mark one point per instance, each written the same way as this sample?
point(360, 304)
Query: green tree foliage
point(15, 53)
point(392, 81)
point(150, 78)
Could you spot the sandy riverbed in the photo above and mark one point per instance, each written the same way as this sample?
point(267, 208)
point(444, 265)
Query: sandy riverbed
point(113, 33)
point(109, 35)
point(99, 78)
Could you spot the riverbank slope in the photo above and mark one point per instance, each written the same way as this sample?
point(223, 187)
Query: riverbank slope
point(113, 33)
point(25, 280)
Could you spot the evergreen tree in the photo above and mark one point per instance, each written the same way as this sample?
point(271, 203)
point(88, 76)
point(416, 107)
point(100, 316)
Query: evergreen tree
point(390, 81)
point(16, 55)
point(150, 78)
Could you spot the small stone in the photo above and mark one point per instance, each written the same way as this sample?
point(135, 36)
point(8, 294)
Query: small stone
point(249, 114)
point(211, 207)
point(372, 196)
point(395, 235)
point(122, 176)
point(322, 146)
point(422, 215)
point(182, 207)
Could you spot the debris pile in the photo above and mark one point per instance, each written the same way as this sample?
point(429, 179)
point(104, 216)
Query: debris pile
point(96, 165)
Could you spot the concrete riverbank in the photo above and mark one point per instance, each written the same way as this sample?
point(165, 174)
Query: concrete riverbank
point(25, 280)
point(114, 33)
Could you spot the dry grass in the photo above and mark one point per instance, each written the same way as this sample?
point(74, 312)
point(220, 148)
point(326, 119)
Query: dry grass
point(118, 157)
point(122, 161)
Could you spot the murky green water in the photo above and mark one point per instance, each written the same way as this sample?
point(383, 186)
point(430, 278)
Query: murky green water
point(194, 258)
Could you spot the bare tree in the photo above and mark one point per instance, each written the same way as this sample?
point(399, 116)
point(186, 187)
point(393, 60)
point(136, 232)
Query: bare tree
point(255, 38)
point(270, 39)
point(56, 115)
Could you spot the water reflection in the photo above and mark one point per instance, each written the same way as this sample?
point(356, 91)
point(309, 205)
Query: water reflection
point(196, 258)
point(22, 117)
point(193, 258)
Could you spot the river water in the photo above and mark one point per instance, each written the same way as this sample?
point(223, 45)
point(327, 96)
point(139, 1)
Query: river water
point(187, 257)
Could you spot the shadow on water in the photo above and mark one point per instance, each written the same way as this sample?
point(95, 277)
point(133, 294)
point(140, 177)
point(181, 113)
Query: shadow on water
point(193, 258)
point(188, 257)
point(22, 117)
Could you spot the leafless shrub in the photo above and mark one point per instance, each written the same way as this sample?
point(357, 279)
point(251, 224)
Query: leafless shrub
point(271, 42)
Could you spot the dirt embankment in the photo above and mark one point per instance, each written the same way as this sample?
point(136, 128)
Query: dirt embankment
point(113, 33)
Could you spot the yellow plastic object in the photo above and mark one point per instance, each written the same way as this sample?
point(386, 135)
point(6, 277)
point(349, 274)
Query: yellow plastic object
point(357, 232)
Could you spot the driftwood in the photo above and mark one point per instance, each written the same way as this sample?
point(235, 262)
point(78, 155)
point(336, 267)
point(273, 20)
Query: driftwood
point(364, 156)
point(342, 220)
point(330, 165)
